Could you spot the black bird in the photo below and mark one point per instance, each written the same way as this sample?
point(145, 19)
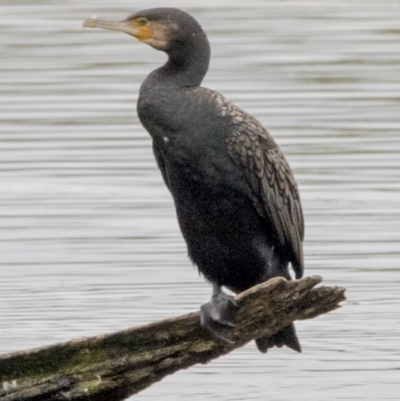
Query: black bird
point(236, 199)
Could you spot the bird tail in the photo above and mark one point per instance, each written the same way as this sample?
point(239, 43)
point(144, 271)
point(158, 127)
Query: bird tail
point(287, 336)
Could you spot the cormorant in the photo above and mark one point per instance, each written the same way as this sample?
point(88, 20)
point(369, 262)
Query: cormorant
point(236, 199)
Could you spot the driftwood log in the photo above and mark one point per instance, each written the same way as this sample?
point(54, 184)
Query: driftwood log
point(116, 366)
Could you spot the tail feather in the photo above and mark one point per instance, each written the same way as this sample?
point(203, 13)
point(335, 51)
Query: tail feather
point(287, 336)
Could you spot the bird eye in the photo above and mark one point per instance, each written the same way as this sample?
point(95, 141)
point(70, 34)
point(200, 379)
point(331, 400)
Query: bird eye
point(142, 21)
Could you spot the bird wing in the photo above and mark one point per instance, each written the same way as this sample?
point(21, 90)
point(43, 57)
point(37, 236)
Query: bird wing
point(274, 189)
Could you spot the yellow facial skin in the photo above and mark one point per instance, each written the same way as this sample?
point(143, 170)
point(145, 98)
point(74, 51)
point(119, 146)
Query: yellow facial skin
point(144, 31)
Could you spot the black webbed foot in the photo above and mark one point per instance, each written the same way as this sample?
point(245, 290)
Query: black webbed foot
point(218, 315)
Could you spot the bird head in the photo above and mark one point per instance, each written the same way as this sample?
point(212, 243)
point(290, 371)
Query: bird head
point(160, 28)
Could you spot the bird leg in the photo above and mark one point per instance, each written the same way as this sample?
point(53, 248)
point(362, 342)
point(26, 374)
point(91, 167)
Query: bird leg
point(218, 315)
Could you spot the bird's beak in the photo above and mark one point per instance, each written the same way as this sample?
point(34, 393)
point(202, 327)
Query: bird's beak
point(123, 26)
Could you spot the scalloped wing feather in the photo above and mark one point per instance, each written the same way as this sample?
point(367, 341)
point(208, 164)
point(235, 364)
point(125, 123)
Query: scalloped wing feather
point(275, 191)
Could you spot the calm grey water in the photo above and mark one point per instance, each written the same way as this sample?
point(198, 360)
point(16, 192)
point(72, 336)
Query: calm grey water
point(89, 239)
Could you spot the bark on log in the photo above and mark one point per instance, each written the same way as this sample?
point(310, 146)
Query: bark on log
point(116, 366)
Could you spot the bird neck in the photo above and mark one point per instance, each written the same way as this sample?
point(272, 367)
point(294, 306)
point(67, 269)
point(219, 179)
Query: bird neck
point(188, 62)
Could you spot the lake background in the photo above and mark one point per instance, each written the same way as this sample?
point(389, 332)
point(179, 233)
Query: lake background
point(89, 242)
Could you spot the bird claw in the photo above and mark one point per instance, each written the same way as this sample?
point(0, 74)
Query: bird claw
point(218, 316)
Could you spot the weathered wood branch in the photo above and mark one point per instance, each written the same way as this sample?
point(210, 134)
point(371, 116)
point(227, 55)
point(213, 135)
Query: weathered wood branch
point(115, 366)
